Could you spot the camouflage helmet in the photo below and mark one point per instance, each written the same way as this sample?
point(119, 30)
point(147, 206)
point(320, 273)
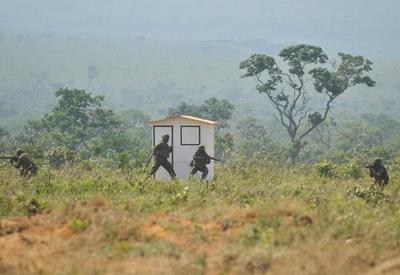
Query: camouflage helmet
point(202, 147)
point(165, 138)
point(377, 162)
point(19, 152)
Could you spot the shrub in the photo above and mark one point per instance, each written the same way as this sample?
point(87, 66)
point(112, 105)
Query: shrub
point(372, 194)
point(351, 169)
point(59, 156)
point(34, 206)
point(325, 169)
point(79, 225)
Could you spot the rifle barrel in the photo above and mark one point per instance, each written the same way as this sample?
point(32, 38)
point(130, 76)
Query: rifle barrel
point(148, 162)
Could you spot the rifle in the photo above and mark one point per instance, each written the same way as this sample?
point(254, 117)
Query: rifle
point(193, 162)
point(13, 158)
point(371, 169)
point(211, 158)
point(148, 162)
point(215, 159)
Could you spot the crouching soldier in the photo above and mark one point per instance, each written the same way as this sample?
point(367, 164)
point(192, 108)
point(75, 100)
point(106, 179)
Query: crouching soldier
point(23, 162)
point(379, 173)
point(161, 154)
point(200, 161)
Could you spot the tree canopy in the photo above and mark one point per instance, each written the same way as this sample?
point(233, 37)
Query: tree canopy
point(77, 118)
point(220, 110)
point(293, 85)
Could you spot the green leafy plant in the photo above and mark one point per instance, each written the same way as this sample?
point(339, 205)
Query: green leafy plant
point(79, 224)
point(325, 169)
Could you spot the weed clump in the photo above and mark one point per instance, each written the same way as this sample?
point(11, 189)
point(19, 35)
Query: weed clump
point(325, 169)
point(351, 169)
point(371, 194)
point(79, 224)
point(34, 207)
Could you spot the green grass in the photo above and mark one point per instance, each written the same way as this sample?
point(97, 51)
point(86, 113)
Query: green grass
point(249, 220)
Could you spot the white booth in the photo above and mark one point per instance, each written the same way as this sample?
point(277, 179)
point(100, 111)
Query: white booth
point(186, 133)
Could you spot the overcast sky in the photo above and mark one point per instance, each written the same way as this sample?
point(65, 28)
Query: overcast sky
point(350, 23)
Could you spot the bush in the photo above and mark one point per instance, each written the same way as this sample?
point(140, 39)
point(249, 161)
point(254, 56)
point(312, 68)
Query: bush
point(351, 169)
point(34, 207)
point(325, 169)
point(372, 194)
point(59, 156)
point(79, 225)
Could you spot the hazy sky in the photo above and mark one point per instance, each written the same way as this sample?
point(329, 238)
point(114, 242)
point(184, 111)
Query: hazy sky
point(354, 23)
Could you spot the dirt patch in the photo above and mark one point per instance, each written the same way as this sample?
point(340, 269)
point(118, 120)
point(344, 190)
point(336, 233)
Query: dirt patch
point(108, 243)
point(390, 266)
point(13, 225)
point(204, 236)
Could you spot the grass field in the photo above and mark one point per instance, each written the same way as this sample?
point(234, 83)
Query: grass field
point(253, 219)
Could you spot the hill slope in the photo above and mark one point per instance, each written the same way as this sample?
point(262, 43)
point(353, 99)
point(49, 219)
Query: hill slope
point(151, 75)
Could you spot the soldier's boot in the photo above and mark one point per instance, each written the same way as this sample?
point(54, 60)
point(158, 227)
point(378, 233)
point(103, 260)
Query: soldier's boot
point(154, 170)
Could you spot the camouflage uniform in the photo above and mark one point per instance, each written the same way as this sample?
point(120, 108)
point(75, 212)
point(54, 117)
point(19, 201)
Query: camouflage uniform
point(161, 153)
point(25, 165)
point(199, 162)
point(379, 173)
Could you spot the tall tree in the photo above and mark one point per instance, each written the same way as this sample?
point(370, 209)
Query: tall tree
point(290, 94)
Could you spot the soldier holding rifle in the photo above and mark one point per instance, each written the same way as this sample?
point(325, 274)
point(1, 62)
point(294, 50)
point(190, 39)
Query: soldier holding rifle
point(378, 172)
point(200, 161)
point(161, 154)
point(23, 162)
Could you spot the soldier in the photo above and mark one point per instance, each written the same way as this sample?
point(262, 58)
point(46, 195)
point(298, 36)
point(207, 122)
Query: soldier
point(378, 172)
point(161, 154)
point(25, 165)
point(200, 161)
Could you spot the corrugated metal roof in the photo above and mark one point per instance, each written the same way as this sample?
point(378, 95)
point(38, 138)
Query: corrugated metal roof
point(184, 117)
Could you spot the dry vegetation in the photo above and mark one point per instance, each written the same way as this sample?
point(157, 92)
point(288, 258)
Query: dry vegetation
point(251, 220)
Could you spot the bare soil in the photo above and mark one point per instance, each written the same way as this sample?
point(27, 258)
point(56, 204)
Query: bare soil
point(47, 244)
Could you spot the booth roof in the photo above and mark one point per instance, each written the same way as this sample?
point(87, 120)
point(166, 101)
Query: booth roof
point(197, 119)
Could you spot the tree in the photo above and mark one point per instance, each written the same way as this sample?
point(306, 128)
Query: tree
point(133, 119)
point(220, 110)
point(80, 126)
point(296, 107)
point(224, 145)
point(76, 119)
point(388, 129)
point(323, 134)
point(388, 126)
point(356, 139)
point(253, 139)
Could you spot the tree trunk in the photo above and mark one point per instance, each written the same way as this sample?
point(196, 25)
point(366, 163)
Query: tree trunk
point(295, 152)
